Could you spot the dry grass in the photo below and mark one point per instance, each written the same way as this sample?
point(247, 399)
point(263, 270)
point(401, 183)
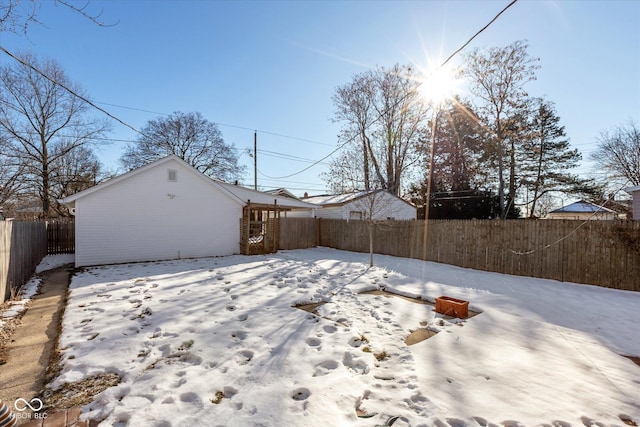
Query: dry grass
point(218, 397)
point(80, 393)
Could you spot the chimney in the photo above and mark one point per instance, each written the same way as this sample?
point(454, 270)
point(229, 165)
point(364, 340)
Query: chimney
point(305, 195)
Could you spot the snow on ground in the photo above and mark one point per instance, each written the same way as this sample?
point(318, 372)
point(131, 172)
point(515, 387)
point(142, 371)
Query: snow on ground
point(217, 342)
point(50, 262)
point(16, 307)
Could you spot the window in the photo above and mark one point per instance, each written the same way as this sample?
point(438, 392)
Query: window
point(172, 175)
point(355, 215)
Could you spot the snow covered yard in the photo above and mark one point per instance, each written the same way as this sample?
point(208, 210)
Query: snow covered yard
point(217, 342)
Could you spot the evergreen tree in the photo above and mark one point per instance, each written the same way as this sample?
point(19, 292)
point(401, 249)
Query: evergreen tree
point(548, 157)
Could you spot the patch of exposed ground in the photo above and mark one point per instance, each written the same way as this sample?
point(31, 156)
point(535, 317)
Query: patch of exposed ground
point(79, 393)
point(419, 335)
point(311, 308)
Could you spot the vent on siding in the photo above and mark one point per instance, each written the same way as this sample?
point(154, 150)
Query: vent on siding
point(172, 175)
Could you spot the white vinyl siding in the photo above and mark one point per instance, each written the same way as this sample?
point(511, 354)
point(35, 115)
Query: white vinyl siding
point(386, 206)
point(146, 217)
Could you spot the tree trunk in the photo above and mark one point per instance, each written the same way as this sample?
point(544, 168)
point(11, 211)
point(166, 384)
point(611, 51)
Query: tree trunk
point(46, 183)
point(512, 174)
point(365, 158)
point(501, 181)
point(536, 188)
point(371, 225)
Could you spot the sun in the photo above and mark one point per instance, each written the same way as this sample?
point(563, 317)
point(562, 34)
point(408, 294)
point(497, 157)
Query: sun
point(438, 85)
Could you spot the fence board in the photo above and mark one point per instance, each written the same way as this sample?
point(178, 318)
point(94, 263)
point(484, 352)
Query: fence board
point(61, 236)
point(603, 253)
point(298, 233)
point(22, 246)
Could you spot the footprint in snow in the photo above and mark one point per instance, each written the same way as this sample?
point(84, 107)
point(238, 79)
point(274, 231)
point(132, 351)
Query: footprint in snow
point(329, 329)
point(355, 364)
point(301, 394)
point(191, 397)
point(243, 357)
point(325, 368)
point(313, 342)
point(238, 335)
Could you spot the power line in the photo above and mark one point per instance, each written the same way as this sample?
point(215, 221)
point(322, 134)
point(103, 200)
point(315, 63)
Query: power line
point(478, 33)
point(72, 92)
point(225, 125)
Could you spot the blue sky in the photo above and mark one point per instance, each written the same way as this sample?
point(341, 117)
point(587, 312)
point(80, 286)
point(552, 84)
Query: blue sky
point(273, 66)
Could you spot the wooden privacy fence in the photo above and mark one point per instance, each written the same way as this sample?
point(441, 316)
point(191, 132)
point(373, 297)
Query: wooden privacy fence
point(61, 236)
point(603, 253)
point(298, 233)
point(22, 246)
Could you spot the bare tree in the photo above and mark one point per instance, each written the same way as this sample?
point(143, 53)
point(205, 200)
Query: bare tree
point(374, 208)
point(497, 78)
point(189, 136)
point(41, 123)
point(345, 174)
point(78, 170)
point(618, 152)
point(17, 15)
point(10, 173)
point(354, 108)
point(383, 114)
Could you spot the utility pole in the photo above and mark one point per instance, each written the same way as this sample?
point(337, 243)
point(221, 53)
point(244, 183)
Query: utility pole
point(434, 122)
point(255, 160)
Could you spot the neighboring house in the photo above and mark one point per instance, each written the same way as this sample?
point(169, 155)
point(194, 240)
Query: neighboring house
point(583, 210)
point(380, 204)
point(282, 192)
point(169, 210)
point(622, 207)
point(635, 205)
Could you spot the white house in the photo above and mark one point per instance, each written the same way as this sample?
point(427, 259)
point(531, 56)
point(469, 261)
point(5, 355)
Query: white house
point(583, 210)
point(167, 210)
point(378, 205)
point(635, 205)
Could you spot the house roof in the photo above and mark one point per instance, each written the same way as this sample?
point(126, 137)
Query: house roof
point(341, 199)
point(262, 198)
point(582, 207)
point(336, 199)
point(282, 192)
point(240, 194)
point(633, 189)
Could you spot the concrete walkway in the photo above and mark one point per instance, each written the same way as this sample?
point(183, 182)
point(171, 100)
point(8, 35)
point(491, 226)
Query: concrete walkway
point(32, 344)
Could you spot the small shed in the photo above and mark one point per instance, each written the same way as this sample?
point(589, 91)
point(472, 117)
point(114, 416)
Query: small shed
point(583, 210)
point(378, 205)
point(635, 204)
point(166, 210)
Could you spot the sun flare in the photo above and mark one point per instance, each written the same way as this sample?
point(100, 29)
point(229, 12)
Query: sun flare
point(438, 85)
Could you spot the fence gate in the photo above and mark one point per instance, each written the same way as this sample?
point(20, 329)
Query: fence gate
point(61, 236)
point(259, 229)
